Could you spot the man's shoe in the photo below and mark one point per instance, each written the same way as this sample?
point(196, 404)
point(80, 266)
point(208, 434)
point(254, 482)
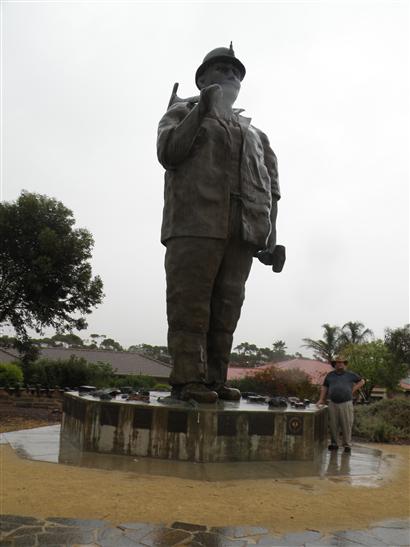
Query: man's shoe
point(332, 447)
point(227, 393)
point(199, 393)
point(347, 450)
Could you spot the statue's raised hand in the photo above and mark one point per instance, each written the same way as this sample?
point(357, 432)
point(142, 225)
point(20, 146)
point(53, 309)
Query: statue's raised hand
point(175, 99)
point(210, 99)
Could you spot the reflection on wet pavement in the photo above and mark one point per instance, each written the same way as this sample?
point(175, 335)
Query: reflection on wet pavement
point(364, 466)
point(17, 530)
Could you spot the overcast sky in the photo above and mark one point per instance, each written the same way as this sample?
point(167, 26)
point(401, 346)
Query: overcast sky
point(84, 85)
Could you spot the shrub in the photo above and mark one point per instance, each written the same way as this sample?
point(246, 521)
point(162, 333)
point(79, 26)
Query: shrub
point(385, 421)
point(277, 382)
point(72, 372)
point(136, 381)
point(162, 387)
point(10, 375)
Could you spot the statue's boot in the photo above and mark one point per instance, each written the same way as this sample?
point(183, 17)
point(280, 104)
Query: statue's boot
point(198, 392)
point(227, 393)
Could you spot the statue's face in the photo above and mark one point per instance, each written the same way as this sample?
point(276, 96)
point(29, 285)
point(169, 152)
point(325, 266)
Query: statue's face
point(226, 75)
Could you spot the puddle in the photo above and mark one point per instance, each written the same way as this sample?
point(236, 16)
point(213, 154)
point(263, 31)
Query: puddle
point(363, 467)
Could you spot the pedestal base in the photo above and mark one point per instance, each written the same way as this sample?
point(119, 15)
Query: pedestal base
point(202, 433)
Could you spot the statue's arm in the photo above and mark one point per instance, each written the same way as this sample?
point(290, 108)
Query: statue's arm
point(271, 164)
point(176, 133)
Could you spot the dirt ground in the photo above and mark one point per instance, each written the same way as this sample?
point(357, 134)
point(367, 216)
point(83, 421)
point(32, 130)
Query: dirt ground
point(13, 418)
point(42, 489)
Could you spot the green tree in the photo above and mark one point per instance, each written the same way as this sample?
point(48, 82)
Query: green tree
point(10, 374)
point(353, 332)
point(279, 350)
point(7, 341)
point(376, 364)
point(325, 349)
point(72, 340)
point(159, 353)
point(398, 342)
point(45, 274)
point(111, 344)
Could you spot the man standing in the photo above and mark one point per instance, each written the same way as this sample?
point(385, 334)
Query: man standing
point(221, 193)
point(339, 386)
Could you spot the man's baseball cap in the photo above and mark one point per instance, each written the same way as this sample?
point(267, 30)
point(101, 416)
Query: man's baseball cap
point(220, 54)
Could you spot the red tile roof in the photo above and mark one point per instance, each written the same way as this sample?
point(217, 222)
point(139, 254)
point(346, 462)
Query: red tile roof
point(316, 370)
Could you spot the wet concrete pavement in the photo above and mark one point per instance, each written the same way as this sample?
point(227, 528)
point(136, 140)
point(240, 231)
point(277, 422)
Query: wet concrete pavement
point(16, 531)
point(363, 466)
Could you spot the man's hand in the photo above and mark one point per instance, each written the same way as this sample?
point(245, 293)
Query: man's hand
point(210, 99)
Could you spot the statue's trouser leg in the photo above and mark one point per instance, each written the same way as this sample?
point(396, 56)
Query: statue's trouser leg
point(191, 266)
point(205, 292)
point(227, 298)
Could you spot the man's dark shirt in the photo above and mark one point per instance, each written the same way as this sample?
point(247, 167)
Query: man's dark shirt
point(340, 385)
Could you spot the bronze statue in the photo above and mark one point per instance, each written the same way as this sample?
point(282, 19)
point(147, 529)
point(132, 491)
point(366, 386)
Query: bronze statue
point(221, 194)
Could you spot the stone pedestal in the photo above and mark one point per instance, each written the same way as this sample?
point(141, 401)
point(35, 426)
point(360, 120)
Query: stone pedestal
point(202, 433)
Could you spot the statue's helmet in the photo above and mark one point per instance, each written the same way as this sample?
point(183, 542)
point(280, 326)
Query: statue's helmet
point(220, 54)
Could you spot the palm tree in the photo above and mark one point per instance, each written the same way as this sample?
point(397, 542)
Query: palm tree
point(326, 349)
point(353, 332)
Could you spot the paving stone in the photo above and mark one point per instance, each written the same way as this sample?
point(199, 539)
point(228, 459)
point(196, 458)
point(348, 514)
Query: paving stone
point(165, 538)
point(189, 527)
point(392, 536)
point(301, 538)
point(110, 534)
point(336, 541)
point(209, 539)
point(361, 537)
point(140, 534)
point(117, 540)
point(25, 541)
point(21, 520)
point(239, 531)
point(139, 525)
point(393, 523)
point(8, 526)
point(25, 531)
point(61, 538)
point(273, 541)
point(79, 523)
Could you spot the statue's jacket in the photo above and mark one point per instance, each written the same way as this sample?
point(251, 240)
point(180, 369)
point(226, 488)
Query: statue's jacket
point(195, 153)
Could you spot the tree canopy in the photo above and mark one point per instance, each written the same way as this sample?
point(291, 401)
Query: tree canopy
point(376, 364)
point(327, 348)
point(45, 273)
point(353, 332)
point(398, 342)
